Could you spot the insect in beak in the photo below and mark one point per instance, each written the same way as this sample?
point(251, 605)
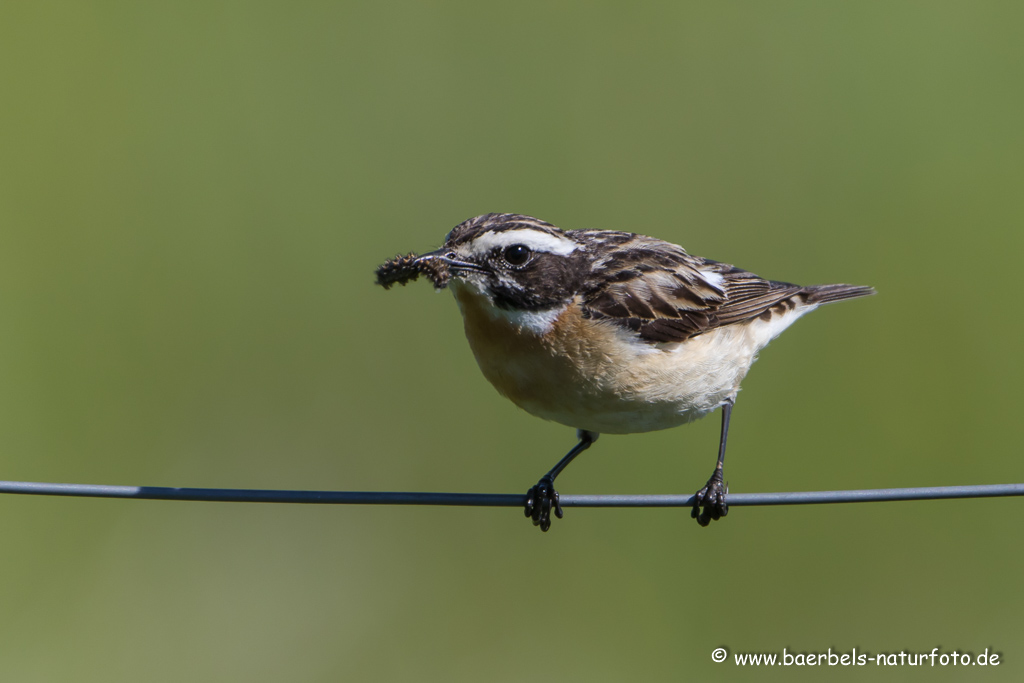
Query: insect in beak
point(438, 266)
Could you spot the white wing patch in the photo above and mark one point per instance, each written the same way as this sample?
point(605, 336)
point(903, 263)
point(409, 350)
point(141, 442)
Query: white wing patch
point(537, 240)
point(714, 279)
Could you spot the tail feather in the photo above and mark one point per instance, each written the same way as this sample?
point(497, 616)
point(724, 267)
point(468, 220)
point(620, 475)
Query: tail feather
point(826, 294)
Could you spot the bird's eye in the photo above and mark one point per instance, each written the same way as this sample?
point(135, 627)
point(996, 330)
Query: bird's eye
point(516, 254)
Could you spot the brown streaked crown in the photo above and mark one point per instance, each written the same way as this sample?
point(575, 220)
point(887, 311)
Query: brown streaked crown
point(495, 222)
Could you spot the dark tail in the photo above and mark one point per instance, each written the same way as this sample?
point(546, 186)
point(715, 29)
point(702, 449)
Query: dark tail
point(826, 294)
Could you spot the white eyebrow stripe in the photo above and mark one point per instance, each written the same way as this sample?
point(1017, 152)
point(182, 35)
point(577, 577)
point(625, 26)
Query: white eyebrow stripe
point(537, 240)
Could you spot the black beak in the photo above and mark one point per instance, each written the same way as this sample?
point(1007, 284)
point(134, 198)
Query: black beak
point(449, 258)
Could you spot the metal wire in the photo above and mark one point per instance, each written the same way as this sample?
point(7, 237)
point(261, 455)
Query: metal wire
point(498, 499)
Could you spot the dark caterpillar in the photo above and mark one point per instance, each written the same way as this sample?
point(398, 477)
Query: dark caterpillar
point(405, 269)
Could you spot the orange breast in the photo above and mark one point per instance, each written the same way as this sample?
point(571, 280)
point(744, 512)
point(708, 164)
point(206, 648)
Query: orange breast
point(521, 365)
point(555, 375)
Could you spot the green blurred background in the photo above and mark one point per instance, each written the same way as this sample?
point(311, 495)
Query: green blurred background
point(193, 197)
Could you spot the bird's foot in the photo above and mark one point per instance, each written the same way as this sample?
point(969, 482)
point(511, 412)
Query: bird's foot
point(540, 500)
point(712, 499)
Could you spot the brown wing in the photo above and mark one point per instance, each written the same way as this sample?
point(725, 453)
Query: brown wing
point(664, 294)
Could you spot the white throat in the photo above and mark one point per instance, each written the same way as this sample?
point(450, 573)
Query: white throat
point(535, 322)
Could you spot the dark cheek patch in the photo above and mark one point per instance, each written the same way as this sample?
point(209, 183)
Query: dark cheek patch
point(546, 281)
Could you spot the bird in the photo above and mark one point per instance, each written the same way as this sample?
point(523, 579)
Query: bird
point(608, 332)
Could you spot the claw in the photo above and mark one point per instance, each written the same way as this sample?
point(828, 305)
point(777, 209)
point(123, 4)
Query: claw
point(540, 499)
point(712, 499)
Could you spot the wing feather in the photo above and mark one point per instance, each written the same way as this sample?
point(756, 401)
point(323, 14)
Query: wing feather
point(664, 294)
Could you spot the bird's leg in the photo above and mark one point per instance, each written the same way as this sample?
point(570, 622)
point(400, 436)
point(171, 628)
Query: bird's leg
point(712, 496)
point(540, 499)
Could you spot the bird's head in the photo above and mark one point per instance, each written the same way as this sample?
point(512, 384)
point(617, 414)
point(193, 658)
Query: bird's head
point(516, 262)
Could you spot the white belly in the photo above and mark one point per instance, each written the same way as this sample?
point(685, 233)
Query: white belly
point(654, 387)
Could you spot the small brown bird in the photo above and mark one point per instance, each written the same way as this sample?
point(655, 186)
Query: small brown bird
point(608, 331)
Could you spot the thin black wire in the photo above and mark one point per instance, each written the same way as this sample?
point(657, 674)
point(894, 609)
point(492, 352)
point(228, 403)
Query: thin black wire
point(498, 499)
